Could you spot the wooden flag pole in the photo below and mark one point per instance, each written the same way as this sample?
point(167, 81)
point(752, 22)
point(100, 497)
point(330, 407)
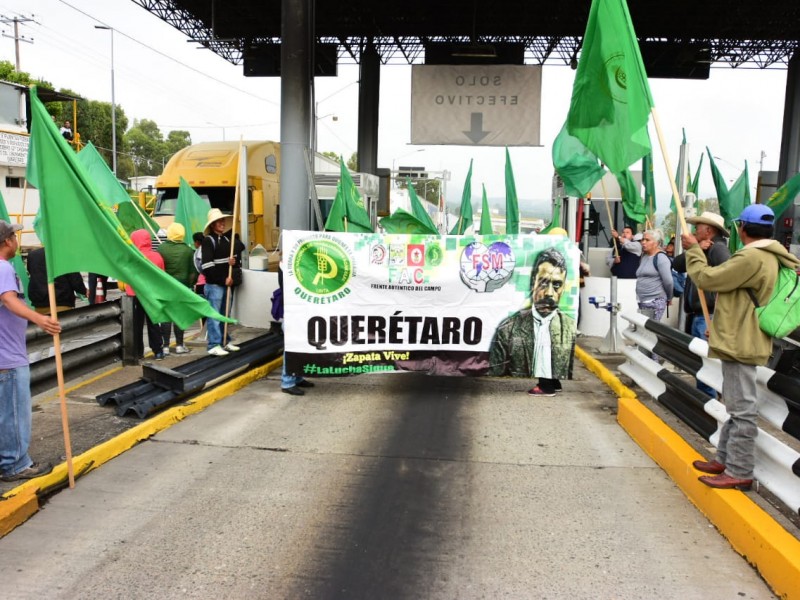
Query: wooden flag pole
point(678, 200)
point(62, 397)
point(22, 210)
point(233, 240)
point(610, 218)
point(145, 219)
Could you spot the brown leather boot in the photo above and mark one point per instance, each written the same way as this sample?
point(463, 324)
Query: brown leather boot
point(711, 466)
point(725, 482)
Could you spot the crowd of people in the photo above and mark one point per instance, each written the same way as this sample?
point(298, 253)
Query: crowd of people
point(534, 342)
point(221, 272)
point(706, 270)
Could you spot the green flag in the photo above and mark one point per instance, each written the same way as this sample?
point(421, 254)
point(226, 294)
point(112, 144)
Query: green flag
point(465, 217)
point(16, 262)
point(83, 234)
point(512, 203)
point(632, 204)
point(575, 164)
point(649, 184)
point(486, 215)
point(722, 192)
point(191, 211)
point(694, 185)
point(611, 99)
point(112, 194)
point(556, 219)
point(418, 210)
point(738, 199)
point(348, 212)
point(404, 222)
point(784, 196)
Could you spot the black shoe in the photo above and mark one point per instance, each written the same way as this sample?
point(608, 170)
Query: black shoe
point(159, 356)
point(293, 391)
point(305, 383)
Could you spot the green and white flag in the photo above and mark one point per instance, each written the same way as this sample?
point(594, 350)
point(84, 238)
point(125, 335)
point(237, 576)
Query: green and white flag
point(611, 98)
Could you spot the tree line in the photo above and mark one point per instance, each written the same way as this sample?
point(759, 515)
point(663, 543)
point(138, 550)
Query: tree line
point(141, 149)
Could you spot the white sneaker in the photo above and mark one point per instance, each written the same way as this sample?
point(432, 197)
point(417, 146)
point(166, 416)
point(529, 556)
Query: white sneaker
point(165, 351)
point(231, 347)
point(217, 351)
point(182, 350)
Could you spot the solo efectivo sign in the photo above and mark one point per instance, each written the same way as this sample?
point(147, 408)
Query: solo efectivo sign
point(476, 105)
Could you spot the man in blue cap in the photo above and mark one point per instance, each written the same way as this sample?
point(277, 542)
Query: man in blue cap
point(736, 338)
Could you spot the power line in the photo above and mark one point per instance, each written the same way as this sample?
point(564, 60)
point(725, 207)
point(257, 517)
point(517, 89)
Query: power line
point(173, 59)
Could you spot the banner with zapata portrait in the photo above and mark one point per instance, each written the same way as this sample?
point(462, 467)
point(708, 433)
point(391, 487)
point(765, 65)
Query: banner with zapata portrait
point(501, 305)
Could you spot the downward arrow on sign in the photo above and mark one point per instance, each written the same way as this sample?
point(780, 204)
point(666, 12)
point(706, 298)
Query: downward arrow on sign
point(476, 132)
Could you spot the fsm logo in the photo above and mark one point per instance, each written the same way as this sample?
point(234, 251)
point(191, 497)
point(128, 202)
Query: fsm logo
point(487, 269)
point(322, 267)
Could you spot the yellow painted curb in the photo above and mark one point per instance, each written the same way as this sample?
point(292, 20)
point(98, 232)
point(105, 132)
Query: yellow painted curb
point(19, 504)
point(606, 376)
point(750, 530)
point(15, 510)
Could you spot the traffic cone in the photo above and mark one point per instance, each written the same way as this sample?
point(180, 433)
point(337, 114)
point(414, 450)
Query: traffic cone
point(100, 292)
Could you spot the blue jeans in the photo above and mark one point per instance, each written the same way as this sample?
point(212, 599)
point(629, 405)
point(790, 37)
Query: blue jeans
point(699, 331)
point(288, 381)
point(15, 420)
point(216, 296)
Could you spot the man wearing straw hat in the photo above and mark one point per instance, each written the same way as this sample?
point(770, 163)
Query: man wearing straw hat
point(15, 374)
point(710, 232)
point(223, 271)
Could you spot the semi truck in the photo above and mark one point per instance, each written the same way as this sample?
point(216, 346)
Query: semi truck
point(210, 168)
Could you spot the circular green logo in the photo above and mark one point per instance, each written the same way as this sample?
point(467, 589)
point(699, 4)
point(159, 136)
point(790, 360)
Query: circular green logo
point(434, 255)
point(322, 267)
point(617, 77)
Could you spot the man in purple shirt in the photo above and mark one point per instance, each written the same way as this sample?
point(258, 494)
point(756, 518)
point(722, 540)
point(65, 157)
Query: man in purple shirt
point(15, 377)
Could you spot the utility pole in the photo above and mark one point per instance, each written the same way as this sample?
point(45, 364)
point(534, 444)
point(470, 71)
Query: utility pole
point(16, 37)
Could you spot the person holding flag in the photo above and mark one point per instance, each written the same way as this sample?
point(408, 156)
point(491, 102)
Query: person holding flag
point(15, 376)
point(217, 258)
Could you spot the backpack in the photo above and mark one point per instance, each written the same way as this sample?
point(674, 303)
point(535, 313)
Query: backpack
point(678, 279)
point(780, 316)
point(198, 260)
point(198, 257)
point(277, 304)
point(678, 284)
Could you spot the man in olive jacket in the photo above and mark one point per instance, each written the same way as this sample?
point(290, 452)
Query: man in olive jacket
point(736, 338)
point(710, 232)
point(538, 341)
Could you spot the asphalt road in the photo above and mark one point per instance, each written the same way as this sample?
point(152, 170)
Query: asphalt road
point(384, 486)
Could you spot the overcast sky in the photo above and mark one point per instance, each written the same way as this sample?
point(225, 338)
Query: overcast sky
point(160, 76)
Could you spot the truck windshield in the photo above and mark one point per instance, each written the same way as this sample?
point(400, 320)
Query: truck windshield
point(217, 197)
point(165, 203)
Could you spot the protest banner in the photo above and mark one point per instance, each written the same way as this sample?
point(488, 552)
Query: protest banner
point(366, 303)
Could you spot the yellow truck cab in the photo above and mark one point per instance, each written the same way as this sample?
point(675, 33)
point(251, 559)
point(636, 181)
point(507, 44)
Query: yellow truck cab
point(210, 168)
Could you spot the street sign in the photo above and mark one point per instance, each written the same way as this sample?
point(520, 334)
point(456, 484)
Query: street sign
point(411, 173)
point(476, 105)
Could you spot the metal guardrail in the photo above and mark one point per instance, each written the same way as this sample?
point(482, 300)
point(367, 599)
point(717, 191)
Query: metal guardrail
point(777, 464)
point(91, 336)
point(161, 386)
